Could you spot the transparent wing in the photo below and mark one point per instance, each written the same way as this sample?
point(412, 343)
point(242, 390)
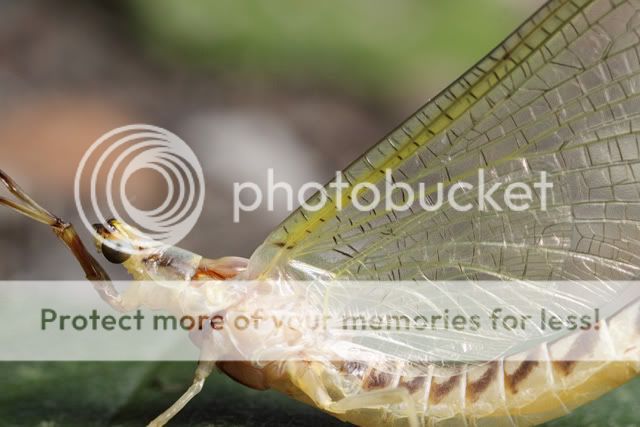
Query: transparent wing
point(560, 95)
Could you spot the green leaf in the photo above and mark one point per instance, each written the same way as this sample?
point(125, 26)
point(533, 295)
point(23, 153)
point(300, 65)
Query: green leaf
point(131, 394)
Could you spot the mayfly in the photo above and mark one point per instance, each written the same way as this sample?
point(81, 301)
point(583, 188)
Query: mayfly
point(560, 95)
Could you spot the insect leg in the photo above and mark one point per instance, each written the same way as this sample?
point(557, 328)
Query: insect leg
point(372, 399)
point(205, 367)
point(94, 272)
point(309, 382)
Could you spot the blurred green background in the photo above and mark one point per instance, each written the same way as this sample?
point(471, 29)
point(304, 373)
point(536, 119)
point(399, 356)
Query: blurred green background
point(372, 48)
point(302, 87)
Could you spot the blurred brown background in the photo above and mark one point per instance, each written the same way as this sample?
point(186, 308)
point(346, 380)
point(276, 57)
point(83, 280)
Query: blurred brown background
point(301, 87)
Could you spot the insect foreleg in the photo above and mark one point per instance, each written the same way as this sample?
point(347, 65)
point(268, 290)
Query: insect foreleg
point(94, 272)
point(203, 370)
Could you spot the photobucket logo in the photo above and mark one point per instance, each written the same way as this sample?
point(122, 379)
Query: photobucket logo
point(460, 196)
point(112, 160)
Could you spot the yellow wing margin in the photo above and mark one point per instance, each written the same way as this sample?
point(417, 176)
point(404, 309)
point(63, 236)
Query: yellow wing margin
point(436, 116)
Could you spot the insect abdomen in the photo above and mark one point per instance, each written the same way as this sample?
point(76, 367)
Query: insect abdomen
point(544, 383)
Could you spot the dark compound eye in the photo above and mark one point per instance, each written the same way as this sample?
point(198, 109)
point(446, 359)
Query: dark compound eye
point(114, 255)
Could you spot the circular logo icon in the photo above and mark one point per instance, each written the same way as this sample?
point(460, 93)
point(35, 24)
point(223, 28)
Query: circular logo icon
point(113, 160)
